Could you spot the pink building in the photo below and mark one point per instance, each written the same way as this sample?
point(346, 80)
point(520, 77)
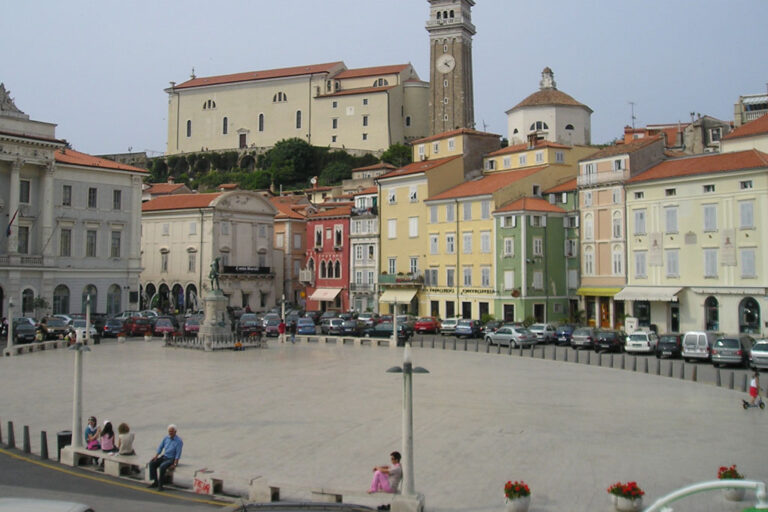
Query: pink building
point(327, 260)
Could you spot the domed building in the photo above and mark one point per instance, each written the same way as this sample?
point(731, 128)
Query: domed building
point(549, 114)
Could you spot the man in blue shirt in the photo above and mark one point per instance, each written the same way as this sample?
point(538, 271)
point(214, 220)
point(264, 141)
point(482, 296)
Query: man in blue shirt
point(167, 456)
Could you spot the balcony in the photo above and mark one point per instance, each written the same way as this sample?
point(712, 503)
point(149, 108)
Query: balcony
point(306, 276)
point(362, 287)
point(21, 260)
point(412, 279)
point(371, 210)
point(602, 178)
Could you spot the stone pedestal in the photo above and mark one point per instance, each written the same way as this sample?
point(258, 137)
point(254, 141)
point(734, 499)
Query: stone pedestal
point(408, 503)
point(216, 322)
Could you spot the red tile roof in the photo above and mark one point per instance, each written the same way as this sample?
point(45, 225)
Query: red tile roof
point(34, 137)
point(366, 191)
point(523, 147)
point(531, 204)
point(756, 127)
point(453, 133)
point(417, 167)
point(380, 165)
point(568, 186)
point(547, 97)
point(259, 75)
point(623, 149)
point(180, 202)
point(70, 156)
point(163, 188)
point(341, 211)
point(487, 184)
point(362, 90)
point(228, 186)
point(704, 164)
point(373, 71)
point(286, 209)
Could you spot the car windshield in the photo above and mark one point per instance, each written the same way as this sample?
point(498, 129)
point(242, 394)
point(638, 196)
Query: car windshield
point(56, 322)
point(464, 322)
point(424, 319)
point(727, 343)
point(608, 335)
point(305, 321)
point(668, 339)
point(163, 322)
point(582, 332)
point(193, 321)
point(79, 323)
point(273, 321)
point(638, 337)
point(249, 317)
point(760, 347)
point(537, 327)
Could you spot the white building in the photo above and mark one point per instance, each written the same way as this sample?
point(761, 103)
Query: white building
point(71, 223)
point(182, 235)
point(364, 243)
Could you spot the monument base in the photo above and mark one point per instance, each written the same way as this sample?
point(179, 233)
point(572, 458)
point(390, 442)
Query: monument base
point(216, 322)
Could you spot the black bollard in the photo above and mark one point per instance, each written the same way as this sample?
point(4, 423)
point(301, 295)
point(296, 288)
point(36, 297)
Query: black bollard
point(487, 348)
point(43, 445)
point(509, 349)
point(543, 352)
point(718, 381)
point(682, 371)
point(477, 344)
point(730, 381)
point(566, 356)
point(645, 366)
point(589, 358)
point(433, 342)
point(744, 384)
point(533, 347)
point(634, 364)
point(599, 359)
point(658, 367)
point(454, 343)
point(25, 445)
point(671, 366)
point(611, 361)
point(693, 375)
point(443, 343)
point(521, 351)
point(623, 366)
point(498, 348)
point(577, 357)
point(11, 437)
point(465, 344)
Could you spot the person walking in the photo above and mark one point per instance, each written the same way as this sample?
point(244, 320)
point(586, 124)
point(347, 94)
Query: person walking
point(281, 330)
point(754, 387)
point(293, 331)
point(167, 457)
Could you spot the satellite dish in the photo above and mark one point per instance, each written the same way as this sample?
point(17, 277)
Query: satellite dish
point(313, 180)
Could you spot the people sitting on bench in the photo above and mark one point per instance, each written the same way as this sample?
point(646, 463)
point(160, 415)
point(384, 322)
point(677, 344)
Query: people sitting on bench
point(167, 457)
point(387, 478)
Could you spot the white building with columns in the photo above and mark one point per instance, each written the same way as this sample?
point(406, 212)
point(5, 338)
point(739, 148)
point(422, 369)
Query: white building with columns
point(71, 223)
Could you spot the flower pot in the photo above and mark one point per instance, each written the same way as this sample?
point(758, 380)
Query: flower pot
point(734, 493)
point(518, 504)
point(628, 505)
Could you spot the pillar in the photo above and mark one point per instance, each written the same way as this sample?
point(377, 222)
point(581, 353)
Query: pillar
point(13, 206)
point(611, 313)
point(46, 213)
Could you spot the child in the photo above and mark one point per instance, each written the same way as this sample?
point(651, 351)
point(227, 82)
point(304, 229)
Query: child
point(754, 387)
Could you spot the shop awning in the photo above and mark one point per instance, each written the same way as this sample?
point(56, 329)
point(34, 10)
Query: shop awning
point(399, 296)
point(650, 293)
point(598, 292)
point(325, 294)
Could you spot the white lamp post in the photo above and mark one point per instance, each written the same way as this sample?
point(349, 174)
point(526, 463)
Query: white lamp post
point(87, 334)
point(282, 319)
point(9, 344)
point(77, 400)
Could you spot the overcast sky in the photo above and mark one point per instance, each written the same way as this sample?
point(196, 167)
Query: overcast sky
point(98, 68)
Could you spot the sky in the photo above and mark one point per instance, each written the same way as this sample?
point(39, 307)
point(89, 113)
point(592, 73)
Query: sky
point(97, 68)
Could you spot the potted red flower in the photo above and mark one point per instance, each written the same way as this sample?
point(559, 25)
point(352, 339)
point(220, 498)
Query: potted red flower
point(730, 473)
point(627, 497)
point(518, 496)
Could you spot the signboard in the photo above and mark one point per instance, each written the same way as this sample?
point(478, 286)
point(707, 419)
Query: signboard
point(244, 269)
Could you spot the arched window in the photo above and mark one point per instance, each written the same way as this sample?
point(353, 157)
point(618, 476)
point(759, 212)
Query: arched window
point(261, 122)
point(617, 260)
point(113, 300)
point(311, 266)
point(617, 225)
point(224, 127)
point(279, 97)
point(27, 301)
point(711, 314)
point(337, 273)
point(539, 125)
point(61, 300)
point(451, 13)
point(189, 128)
point(298, 119)
point(90, 291)
point(589, 227)
point(380, 82)
point(589, 261)
point(569, 127)
point(209, 104)
point(749, 316)
point(439, 14)
point(322, 270)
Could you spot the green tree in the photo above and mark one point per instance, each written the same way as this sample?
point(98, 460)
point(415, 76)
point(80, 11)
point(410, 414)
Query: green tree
point(398, 155)
point(334, 172)
point(294, 154)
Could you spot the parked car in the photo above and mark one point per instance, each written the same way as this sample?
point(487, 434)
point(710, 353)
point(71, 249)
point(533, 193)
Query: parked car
point(331, 325)
point(583, 337)
point(148, 313)
point(314, 315)
point(78, 324)
point(38, 505)
point(466, 328)
point(192, 325)
point(23, 330)
point(272, 326)
point(305, 325)
point(544, 332)
point(137, 326)
point(164, 325)
point(67, 319)
point(384, 330)
point(426, 324)
point(329, 314)
point(563, 334)
point(758, 356)
point(509, 335)
point(249, 324)
point(698, 345)
point(125, 315)
point(609, 340)
point(448, 326)
point(352, 327)
point(369, 318)
point(670, 345)
point(54, 328)
point(732, 350)
point(642, 342)
point(491, 326)
point(408, 322)
point(112, 328)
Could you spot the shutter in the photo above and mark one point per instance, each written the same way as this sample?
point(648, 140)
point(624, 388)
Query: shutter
point(514, 221)
point(544, 221)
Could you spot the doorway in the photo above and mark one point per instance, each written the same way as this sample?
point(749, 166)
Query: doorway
point(243, 142)
point(674, 317)
point(509, 312)
point(538, 313)
point(450, 309)
point(434, 308)
point(466, 310)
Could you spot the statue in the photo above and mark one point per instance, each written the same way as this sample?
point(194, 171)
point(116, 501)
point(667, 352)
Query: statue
point(6, 102)
point(213, 275)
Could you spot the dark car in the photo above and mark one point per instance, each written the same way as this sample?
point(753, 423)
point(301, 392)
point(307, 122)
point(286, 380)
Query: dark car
point(384, 330)
point(491, 326)
point(669, 345)
point(563, 335)
point(314, 315)
point(329, 314)
point(54, 328)
point(249, 324)
point(426, 324)
point(609, 341)
point(305, 325)
point(164, 325)
point(112, 328)
point(466, 328)
point(23, 330)
point(271, 326)
point(137, 326)
point(191, 326)
point(352, 327)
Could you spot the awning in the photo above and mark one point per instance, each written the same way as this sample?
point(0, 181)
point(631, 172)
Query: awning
point(399, 296)
point(325, 294)
point(650, 293)
point(598, 292)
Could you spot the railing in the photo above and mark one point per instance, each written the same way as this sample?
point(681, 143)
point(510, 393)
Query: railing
point(306, 276)
point(4, 260)
point(753, 114)
point(371, 210)
point(602, 177)
point(412, 278)
point(361, 287)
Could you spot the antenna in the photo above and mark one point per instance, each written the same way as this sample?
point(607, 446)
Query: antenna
point(632, 106)
point(485, 126)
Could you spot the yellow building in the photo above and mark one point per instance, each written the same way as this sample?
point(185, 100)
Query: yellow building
point(521, 156)
point(472, 145)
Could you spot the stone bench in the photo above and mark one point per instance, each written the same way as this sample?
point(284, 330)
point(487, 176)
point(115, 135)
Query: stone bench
point(263, 491)
point(35, 346)
point(206, 483)
point(114, 464)
point(334, 495)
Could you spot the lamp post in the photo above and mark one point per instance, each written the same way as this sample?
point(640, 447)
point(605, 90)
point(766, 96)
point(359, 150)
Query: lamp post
point(77, 400)
point(282, 319)
point(9, 344)
point(394, 324)
point(87, 334)
point(409, 488)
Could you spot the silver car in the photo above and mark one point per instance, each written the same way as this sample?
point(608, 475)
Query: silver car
point(544, 332)
point(583, 337)
point(758, 356)
point(732, 350)
point(507, 335)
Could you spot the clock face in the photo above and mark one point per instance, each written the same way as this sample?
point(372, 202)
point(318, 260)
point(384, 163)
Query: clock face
point(445, 63)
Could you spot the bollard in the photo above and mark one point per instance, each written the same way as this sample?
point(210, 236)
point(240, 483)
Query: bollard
point(43, 445)
point(718, 382)
point(589, 358)
point(658, 367)
point(623, 360)
point(498, 348)
point(11, 437)
point(443, 343)
point(577, 357)
point(565, 358)
point(543, 352)
point(645, 366)
point(487, 348)
point(533, 347)
point(465, 344)
point(693, 376)
point(730, 381)
point(477, 344)
point(634, 364)
point(744, 385)
point(433, 342)
point(599, 359)
point(1, 430)
point(682, 371)
point(509, 349)
point(454, 343)
point(611, 361)
point(554, 354)
point(25, 445)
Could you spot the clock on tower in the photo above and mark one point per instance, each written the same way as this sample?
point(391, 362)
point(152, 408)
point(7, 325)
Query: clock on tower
point(451, 100)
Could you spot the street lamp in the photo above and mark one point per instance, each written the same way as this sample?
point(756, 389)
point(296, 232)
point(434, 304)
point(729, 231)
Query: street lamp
point(77, 400)
point(282, 319)
point(87, 316)
point(407, 370)
point(9, 344)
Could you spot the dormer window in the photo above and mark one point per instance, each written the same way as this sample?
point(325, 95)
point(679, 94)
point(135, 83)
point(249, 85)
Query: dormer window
point(209, 104)
point(280, 97)
point(539, 125)
point(380, 82)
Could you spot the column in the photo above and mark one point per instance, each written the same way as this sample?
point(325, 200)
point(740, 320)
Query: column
point(611, 313)
point(47, 220)
point(13, 207)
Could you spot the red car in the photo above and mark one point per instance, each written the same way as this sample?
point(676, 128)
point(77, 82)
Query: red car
point(165, 325)
point(137, 326)
point(427, 324)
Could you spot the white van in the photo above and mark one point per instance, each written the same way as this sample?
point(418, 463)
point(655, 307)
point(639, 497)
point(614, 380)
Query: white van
point(697, 345)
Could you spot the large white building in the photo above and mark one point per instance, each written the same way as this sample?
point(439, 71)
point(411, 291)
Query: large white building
point(70, 223)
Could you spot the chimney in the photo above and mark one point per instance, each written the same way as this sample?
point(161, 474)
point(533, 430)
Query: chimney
point(171, 179)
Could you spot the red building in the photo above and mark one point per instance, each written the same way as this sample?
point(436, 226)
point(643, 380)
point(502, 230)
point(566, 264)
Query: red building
point(328, 260)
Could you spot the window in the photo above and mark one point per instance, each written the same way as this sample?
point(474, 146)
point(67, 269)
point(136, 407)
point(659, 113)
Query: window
point(323, 270)
point(572, 221)
point(430, 277)
point(466, 243)
point(338, 234)
point(449, 213)
point(485, 209)
point(559, 157)
point(485, 242)
point(467, 210)
point(90, 243)
point(639, 222)
point(337, 268)
point(435, 147)
point(114, 247)
point(191, 261)
point(509, 279)
point(92, 197)
point(467, 273)
point(538, 246)
point(672, 256)
point(570, 248)
point(639, 195)
point(745, 185)
point(434, 244)
point(710, 217)
point(335, 104)
point(24, 191)
point(318, 236)
point(358, 277)
point(359, 253)
point(485, 277)
point(117, 199)
point(23, 239)
point(589, 261)
point(746, 215)
point(450, 276)
point(538, 221)
point(261, 122)
point(640, 263)
point(670, 219)
point(539, 125)
point(588, 198)
point(539, 156)
point(413, 265)
point(65, 243)
point(617, 258)
point(618, 165)
point(392, 196)
point(748, 263)
point(412, 195)
point(189, 128)
point(709, 188)
point(297, 240)
point(670, 192)
point(617, 225)
point(279, 240)
point(589, 232)
point(407, 120)
point(490, 165)
point(224, 259)
point(298, 119)
point(166, 229)
point(279, 97)
point(61, 300)
point(392, 228)
point(365, 101)
point(509, 221)
point(710, 263)
point(224, 126)
point(433, 214)
point(715, 134)
point(365, 120)
point(450, 243)
point(589, 169)
point(421, 150)
point(538, 280)
point(522, 159)
point(413, 227)
point(66, 195)
point(509, 246)
point(451, 144)
point(552, 198)
point(392, 265)
point(365, 136)
point(507, 162)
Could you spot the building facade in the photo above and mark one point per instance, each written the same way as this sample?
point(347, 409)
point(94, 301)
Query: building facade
point(364, 251)
point(290, 242)
point(327, 260)
point(753, 135)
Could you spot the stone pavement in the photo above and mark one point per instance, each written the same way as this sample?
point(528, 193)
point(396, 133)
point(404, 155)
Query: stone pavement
point(309, 415)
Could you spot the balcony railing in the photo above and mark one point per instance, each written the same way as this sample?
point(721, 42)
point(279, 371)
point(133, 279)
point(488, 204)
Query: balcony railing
point(306, 275)
point(602, 177)
point(26, 261)
point(361, 287)
point(753, 114)
point(371, 210)
point(402, 279)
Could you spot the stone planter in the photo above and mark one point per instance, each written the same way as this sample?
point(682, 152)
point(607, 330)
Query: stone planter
point(518, 504)
point(147, 337)
point(121, 338)
point(734, 493)
point(627, 505)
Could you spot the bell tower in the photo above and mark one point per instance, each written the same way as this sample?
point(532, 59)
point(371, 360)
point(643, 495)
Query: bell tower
point(451, 100)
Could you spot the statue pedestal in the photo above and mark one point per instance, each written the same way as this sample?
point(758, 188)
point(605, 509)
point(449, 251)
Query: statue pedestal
point(216, 323)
